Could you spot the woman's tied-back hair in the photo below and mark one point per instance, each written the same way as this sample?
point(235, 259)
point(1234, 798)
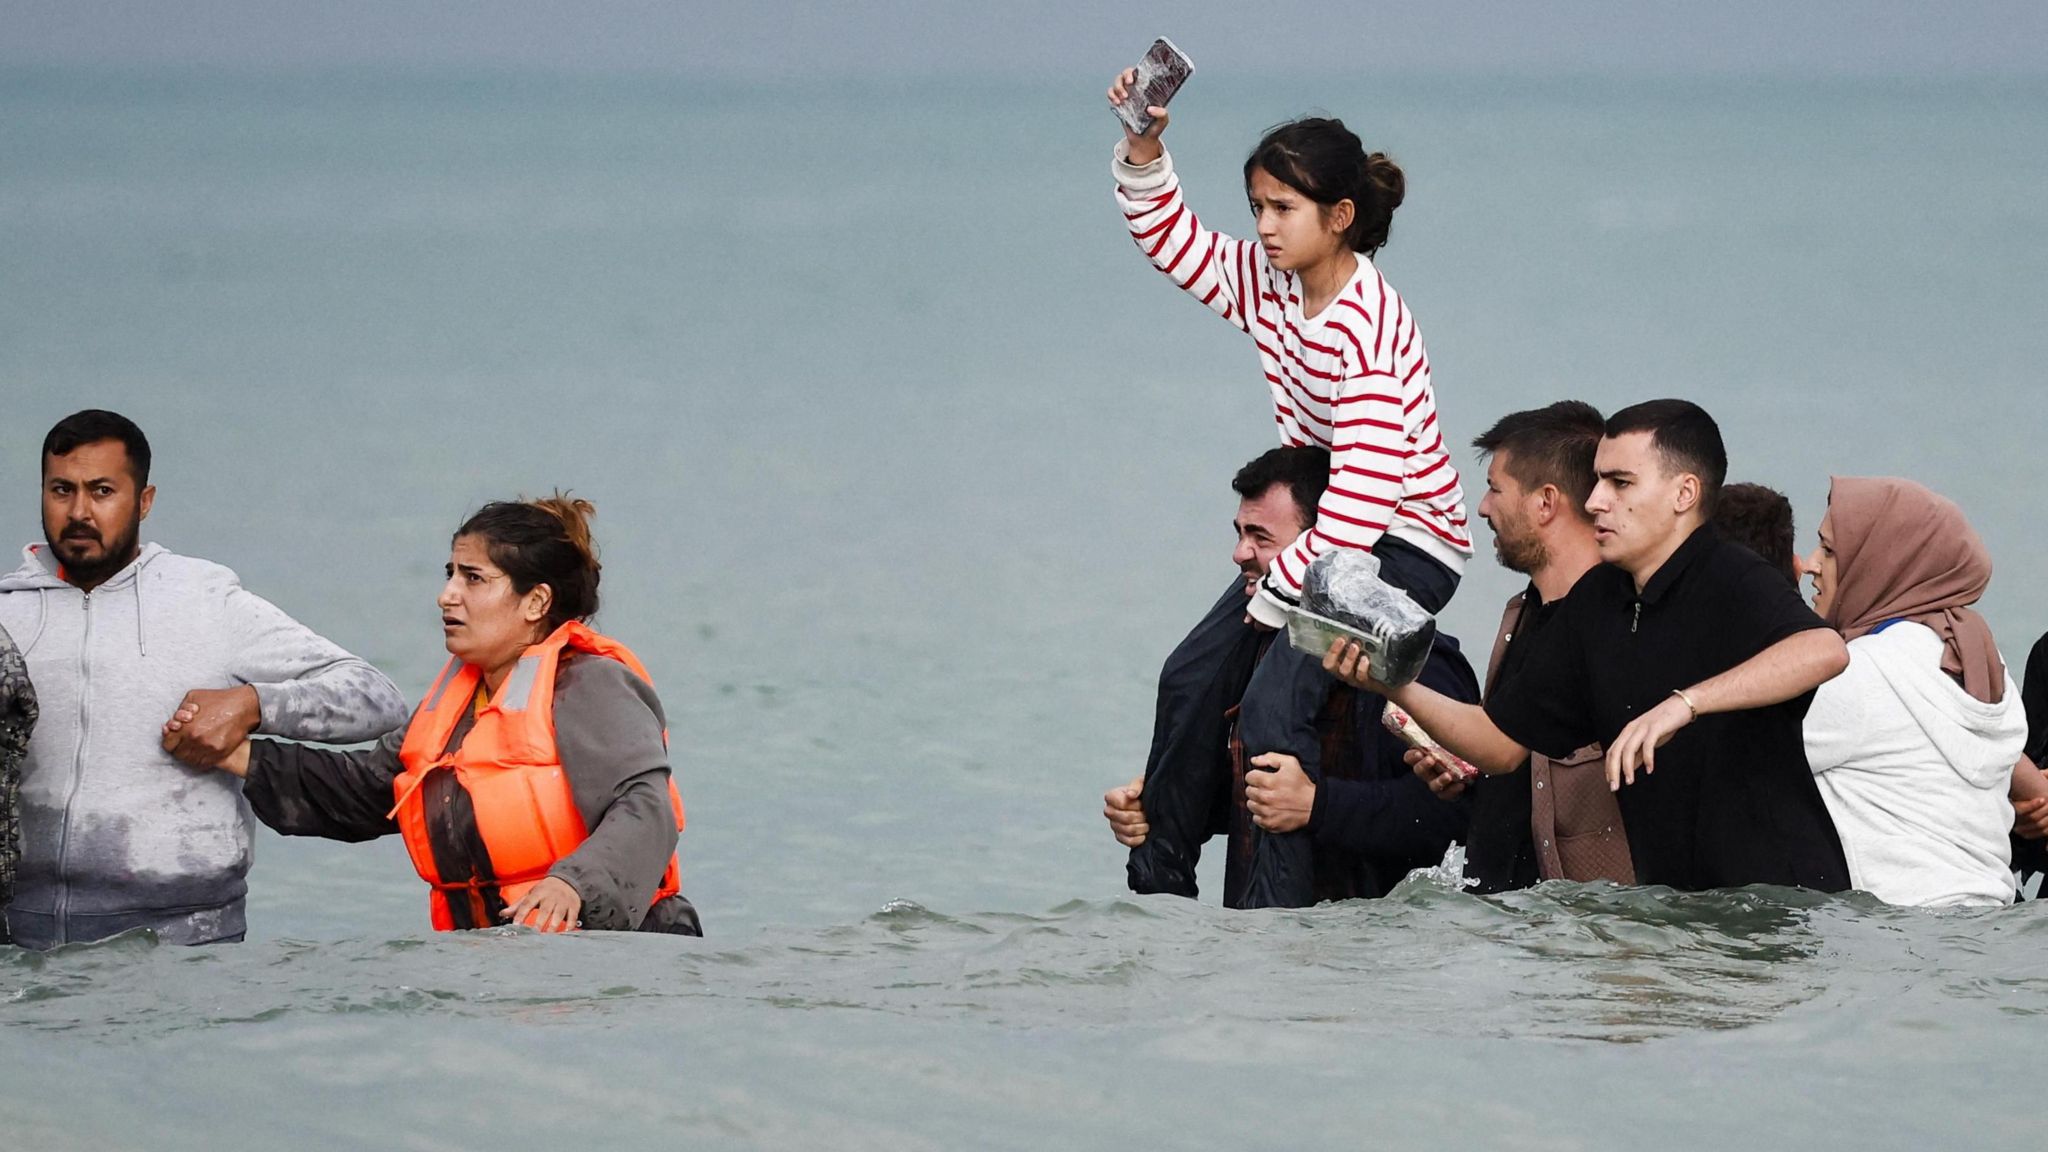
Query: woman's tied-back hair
point(543, 542)
point(1325, 161)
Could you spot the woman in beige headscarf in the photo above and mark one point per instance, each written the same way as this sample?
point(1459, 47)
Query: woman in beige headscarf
point(1915, 745)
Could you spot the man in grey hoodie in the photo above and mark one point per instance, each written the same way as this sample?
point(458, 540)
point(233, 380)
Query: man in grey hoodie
point(116, 834)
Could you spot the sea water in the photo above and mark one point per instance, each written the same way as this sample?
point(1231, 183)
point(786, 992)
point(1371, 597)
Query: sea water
point(909, 472)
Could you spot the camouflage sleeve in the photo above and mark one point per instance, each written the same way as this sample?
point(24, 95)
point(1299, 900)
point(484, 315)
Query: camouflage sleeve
point(17, 722)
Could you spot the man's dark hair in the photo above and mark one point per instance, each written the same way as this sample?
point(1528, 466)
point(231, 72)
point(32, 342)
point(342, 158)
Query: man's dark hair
point(1305, 471)
point(1686, 438)
point(1760, 519)
point(1550, 445)
point(94, 425)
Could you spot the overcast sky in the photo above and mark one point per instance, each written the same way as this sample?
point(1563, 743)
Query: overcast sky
point(900, 38)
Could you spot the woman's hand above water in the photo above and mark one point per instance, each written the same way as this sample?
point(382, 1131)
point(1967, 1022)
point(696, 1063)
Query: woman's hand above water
point(549, 906)
point(1143, 149)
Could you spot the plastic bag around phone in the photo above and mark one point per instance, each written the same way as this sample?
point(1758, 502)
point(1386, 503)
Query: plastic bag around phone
point(1343, 597)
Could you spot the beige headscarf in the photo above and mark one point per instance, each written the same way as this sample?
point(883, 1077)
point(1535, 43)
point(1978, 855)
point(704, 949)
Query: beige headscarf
point(1904, 553)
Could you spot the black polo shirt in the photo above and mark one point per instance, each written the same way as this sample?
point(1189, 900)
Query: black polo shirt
point(2031, 856)
point(2035, 699)
point(1732, 801)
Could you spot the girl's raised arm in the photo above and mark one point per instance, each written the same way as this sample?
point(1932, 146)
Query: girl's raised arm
point(1221, 272)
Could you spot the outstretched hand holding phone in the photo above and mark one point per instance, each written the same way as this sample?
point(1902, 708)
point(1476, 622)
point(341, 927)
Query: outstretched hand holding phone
point(1144, 147)
point(1139, 95)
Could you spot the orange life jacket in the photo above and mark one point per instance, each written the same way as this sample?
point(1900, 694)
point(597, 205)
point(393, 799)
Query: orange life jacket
point(525, 811)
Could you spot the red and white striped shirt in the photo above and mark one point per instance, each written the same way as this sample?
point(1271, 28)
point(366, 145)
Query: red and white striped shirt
point(1354, 380)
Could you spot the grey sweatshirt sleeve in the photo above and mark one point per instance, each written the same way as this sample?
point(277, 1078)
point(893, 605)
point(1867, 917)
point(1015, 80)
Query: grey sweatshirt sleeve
point(308, 686)
point(608, 728)
point(302, 791)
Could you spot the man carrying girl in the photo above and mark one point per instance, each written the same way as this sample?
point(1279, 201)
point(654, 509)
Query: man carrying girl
point(1347, 371)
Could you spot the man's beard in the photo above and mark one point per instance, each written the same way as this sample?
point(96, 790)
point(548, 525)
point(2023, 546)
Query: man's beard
point(117, 556)
point(1519, 553)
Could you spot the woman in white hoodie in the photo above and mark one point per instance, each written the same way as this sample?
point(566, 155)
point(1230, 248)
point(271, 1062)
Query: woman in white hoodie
point(1915, 745)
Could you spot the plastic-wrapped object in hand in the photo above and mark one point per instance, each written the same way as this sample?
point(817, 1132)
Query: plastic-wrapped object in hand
point(1396, 719)
point(1343, 597)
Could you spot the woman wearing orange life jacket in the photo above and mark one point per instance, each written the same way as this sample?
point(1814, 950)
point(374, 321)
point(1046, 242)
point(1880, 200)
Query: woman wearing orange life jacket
point(532, 785)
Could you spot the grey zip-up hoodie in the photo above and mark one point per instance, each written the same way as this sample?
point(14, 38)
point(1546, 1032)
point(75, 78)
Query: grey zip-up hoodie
point(116, 834)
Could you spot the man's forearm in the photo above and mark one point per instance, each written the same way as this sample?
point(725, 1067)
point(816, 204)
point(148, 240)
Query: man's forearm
point(2027, 781)
point(1796, 664)
point(1463, 728)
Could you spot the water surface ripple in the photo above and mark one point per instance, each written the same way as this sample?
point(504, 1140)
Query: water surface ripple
point(1565, 961)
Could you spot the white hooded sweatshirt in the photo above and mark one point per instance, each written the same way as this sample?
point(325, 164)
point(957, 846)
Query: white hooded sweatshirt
point(1916, 772)
point(115, 833)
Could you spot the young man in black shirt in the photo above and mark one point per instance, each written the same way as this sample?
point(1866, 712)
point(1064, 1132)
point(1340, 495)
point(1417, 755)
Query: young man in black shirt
point(1688, 656)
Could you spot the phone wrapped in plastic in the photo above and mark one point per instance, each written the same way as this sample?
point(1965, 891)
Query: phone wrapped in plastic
point(1343, 597)
point(1160, 74)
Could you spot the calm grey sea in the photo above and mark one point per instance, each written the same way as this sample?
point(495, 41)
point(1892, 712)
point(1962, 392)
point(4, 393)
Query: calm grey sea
point(909, 471)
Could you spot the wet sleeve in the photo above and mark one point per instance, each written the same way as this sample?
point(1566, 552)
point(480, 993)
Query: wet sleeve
point(1394, 817)
point(302, 791)
point(309, 687)
point(1547, 705)
point(608, 728)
